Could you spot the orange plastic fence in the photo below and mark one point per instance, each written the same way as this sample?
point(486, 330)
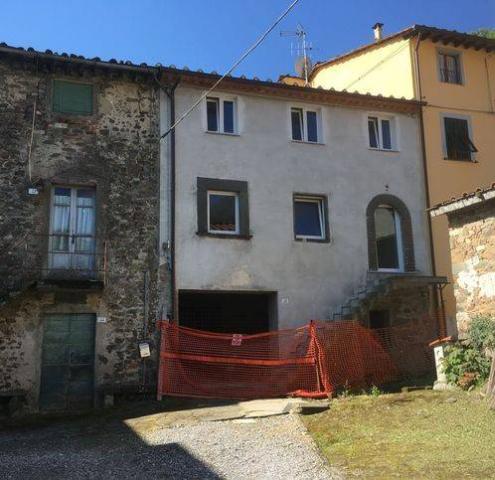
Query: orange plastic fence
point(312, 361)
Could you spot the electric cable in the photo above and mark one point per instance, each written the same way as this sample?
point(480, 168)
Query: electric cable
point(234, 66)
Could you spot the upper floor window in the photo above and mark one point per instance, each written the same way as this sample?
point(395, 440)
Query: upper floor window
point(450, 67)
point(221, 115)
point(72, 230)
point(458, 143)
point(310, 218)
point(72, 98)
point(381, 132)
point(305, 125)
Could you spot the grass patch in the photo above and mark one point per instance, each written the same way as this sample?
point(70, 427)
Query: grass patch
point(422, 434)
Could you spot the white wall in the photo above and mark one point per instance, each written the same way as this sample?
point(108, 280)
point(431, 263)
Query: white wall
point(310, 278)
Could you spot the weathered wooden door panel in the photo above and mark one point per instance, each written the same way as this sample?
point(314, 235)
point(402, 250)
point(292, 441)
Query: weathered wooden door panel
point(67, 370)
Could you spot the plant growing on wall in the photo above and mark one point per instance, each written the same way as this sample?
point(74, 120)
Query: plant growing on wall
point(467, 363)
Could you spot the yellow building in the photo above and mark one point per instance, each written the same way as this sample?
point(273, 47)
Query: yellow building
point(454, 73)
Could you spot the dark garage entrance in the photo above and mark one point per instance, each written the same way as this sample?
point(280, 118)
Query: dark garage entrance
point(67, 366)
point(228, 312)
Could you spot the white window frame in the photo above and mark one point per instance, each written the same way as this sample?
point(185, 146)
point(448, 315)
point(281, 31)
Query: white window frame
point(237, 216)
point(400, 244)
point(319, 120)
point(394, 132)
point(460, 63)
point(220, 98)
point(320, 201)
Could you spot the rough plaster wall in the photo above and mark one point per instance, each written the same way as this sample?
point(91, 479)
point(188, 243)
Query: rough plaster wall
point(472, 245)
point(310, 278)
point(117, 151)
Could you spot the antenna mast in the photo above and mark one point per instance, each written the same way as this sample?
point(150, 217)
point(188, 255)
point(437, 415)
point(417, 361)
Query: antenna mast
point(302, 49)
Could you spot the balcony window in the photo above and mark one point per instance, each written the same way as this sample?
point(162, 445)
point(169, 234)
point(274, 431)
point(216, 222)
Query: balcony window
point(72, 231)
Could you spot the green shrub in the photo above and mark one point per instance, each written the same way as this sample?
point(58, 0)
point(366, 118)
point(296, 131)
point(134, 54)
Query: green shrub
point(467, 363)
point(481, 333)
point(375, 391)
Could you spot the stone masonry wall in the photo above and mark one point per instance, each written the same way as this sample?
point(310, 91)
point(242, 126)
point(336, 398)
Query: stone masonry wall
point(472, 247)
point(116, 151)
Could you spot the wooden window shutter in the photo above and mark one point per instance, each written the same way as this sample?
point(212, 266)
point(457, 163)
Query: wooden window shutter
point(73, 98)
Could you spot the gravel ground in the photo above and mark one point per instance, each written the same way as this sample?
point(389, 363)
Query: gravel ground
point(266, 448)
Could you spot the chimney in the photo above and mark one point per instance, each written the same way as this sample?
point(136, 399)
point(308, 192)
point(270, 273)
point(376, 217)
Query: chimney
point(378, 31)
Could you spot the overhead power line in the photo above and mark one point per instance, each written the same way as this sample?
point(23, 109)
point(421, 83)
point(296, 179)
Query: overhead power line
point(233, 67)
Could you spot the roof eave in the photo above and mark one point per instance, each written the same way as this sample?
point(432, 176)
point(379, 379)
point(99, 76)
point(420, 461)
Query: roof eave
point(462, 203)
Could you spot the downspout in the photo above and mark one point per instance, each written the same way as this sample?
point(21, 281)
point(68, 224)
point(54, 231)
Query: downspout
point(33, 126)
point(171, 96)
point(490, 99)
point(437, 300)
point(172, 314)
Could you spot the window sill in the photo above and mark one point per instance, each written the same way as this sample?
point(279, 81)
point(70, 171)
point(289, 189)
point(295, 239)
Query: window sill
point(305, 142)
point(456, 84)
point(227, 134)
point(387, 150)
point(312, 240)
point(71, 117)
point(461, 160)
point(224, 235)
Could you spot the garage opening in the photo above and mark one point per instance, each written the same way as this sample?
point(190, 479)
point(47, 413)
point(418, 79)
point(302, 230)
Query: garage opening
point(228, 312)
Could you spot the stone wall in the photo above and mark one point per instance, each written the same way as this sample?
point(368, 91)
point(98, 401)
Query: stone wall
point(116, 151)
point(472, 246)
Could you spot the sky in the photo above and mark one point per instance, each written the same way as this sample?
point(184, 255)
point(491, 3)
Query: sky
point(212, 34)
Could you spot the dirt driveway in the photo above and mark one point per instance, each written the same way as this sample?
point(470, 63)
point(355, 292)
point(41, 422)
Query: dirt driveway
point(188, 444)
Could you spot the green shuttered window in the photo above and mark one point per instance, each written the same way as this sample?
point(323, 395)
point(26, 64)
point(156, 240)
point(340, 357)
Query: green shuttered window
point(73, 98)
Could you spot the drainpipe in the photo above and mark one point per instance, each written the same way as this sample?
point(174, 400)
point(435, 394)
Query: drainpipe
point(490, 99)
point(438, 300)
point(171, 96)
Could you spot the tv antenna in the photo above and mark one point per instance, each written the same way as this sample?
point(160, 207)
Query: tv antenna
point(303, 64)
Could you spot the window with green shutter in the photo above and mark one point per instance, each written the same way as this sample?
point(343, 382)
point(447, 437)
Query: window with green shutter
point(71, 97)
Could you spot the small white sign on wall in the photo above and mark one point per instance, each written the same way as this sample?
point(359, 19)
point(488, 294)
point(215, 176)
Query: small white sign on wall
point(101, 319)
point(144, 349)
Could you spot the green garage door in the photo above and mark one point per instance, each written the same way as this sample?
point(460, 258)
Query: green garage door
point(67, 368)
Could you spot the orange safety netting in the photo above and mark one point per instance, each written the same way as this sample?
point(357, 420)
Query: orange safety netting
point(312, 361)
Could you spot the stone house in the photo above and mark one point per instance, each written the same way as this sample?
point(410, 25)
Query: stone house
point(286, 209)
point(268, 206)
point(471, 220)
point(79, 210)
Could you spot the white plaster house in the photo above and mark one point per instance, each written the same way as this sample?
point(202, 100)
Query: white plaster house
point(281, 202)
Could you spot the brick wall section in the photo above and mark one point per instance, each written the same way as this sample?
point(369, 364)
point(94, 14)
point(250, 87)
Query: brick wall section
point(472, 246)
point(116, 150)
